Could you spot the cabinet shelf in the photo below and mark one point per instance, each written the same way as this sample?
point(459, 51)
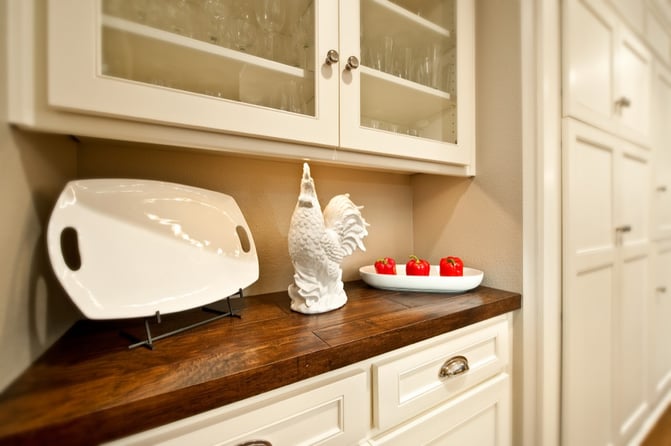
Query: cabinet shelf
point(129, 46)
point(381, 15)
point(400, 100)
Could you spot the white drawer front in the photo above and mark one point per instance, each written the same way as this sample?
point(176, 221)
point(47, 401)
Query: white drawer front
point(408, 384)
point(480, 417)
point(336, 413)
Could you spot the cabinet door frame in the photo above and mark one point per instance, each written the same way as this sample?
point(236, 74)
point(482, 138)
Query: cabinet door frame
point(75, 83)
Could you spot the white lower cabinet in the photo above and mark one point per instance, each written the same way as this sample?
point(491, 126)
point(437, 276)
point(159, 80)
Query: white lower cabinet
point(480, 416)
point(406, 384)
point(454, 388)
point(332, 411)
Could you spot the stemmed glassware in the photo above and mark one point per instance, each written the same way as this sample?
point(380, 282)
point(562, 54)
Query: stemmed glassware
point(242, 30)
point(270, 15)
point(179, 15)
point(216, 14)
point(303, 36)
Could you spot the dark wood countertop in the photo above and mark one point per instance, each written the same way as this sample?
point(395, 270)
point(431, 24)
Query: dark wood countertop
point(89, 387)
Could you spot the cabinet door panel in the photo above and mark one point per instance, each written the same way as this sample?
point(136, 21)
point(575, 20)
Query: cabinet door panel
point(662, 148)
point(587, 357)
point(590, 256)
point(407, 384)
point(607, 71)
point(633, 74)
point(333, 413)
point(106, 62)
point(633, 183)
point(591, 184)
point(481, 416)
point(660, 317)
point(606, 286)
point(413, 95)
point(588, 57)
point(630, 365)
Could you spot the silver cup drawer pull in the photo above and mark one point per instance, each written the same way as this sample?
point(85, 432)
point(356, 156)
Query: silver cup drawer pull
point(454, 366)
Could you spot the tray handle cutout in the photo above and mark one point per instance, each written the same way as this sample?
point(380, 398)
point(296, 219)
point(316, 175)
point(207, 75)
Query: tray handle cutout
point(244, 238)
point(70, 248)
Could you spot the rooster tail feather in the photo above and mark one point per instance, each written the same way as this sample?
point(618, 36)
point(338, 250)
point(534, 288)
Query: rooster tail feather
point(344, 218)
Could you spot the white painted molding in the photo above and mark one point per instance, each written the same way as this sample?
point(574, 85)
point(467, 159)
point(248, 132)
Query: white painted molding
point(541, 311)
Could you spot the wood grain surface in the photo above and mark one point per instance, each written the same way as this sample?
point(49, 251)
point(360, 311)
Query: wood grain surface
point(89, 387)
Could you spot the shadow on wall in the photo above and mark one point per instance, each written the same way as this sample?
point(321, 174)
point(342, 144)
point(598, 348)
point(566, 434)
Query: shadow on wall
point(36, 309)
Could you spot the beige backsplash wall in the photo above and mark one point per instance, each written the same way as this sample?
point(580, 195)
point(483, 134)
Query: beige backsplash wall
point(480, 218)
point(266, 192)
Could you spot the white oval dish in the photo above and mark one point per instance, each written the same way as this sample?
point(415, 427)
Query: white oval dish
point(144, 246)
point(433, 283)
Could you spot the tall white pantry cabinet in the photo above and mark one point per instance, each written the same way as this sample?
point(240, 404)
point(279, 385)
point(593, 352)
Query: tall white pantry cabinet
point(616, 310)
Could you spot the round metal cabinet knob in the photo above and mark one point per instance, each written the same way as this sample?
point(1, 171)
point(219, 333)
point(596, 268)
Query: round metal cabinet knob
point(623, 102)
point(623, 228)
point(352, 63)
point(332, 57)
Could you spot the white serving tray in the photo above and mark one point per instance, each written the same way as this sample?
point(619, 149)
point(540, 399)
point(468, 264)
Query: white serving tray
point(433, 283)
point(126, 248)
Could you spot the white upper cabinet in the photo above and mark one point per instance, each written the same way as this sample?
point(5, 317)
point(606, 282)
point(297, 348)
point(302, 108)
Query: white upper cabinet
point(607, 72)
point(197, 64)
point(416, 78)
point(369, 82)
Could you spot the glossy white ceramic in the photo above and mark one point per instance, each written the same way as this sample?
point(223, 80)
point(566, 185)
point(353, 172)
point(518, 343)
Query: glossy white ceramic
point(126, 248)
point(433, 283)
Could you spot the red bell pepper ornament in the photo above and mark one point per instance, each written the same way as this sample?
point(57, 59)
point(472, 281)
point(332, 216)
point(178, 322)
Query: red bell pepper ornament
point(417, 267)
point(385, 265)
point(451, 266)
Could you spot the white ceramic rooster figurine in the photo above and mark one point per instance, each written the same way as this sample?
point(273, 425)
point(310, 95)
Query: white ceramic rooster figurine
point(317, 245)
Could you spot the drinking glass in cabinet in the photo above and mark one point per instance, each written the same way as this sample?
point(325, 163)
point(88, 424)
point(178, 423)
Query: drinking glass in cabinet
point(258, 52)
point(408, 82)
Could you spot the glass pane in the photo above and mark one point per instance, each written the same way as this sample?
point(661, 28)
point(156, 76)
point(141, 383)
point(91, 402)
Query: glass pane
point(256, 51)
point(408, 84)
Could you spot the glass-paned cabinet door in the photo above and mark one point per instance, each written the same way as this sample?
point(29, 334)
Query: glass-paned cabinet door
point(414, 96)
point(245, 66)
